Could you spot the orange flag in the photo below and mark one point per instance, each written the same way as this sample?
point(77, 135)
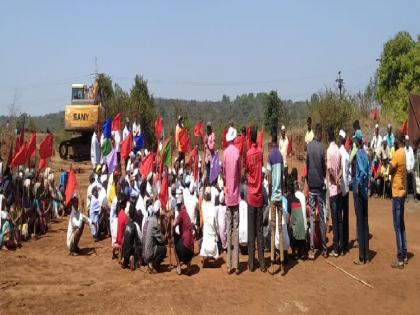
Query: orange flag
point(184, 140)
point(71, 185)
point(158, 127)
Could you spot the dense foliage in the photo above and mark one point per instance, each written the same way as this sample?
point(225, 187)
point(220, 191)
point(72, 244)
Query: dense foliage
point(398, 74)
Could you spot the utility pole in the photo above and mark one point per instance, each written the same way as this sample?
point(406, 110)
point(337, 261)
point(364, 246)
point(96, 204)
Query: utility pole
point(96, 67)
point(340, 82)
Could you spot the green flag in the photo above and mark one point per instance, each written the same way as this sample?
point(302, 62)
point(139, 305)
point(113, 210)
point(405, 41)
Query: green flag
point(186, 123)
point(106, 147)
point(167, 153)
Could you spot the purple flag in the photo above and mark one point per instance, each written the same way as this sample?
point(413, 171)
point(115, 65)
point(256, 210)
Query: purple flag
point(214, 168)
point(112, 161)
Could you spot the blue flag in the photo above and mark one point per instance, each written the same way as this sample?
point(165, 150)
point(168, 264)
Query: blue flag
point(106, 128)
point(214, 168)
point(139, 141)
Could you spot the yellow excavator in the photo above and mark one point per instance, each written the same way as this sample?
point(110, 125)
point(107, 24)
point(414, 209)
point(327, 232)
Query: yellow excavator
point(81, 118)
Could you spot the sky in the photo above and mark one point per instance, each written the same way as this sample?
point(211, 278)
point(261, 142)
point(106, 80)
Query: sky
point(192, 49)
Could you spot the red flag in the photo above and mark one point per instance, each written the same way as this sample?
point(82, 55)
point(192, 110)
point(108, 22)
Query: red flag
point(347, 144)
point(146, 165)
point(199, 129)
point(290, 146)
point(46, 146)
point(163, 193)
point(20, 156)
point(42, 163)
point(239, 143)
point(184, 140)
point(224, 142)
point(31, 149)
point(126, 146)
point(374, 113)
point(116, 123)
point(260, 138)
point(404, 127)
point(158, 127)
point(71, 185)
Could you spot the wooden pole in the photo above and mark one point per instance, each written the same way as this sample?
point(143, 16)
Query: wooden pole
point(349, 274)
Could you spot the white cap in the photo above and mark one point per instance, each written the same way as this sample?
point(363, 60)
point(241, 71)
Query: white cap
point(179, 196)
point(156, 206)
point(342, 133)
point(389, 126)
point(231, 134)
point(283, 127)
point(376, 126)
point(407, 137)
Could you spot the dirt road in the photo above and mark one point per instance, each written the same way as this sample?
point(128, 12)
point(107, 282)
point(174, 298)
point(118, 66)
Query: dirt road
point(41, 278)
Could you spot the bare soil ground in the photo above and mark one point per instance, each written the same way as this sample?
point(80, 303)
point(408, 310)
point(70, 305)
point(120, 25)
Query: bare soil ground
point(41, 278)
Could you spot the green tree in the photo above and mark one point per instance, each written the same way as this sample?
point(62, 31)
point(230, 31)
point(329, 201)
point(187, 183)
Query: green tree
point(105, 91)
point(274, 111)
point(398, 74)
point(331, 110)
point(142, 106)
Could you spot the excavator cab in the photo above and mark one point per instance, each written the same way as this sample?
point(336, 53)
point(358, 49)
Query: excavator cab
point(81, 117)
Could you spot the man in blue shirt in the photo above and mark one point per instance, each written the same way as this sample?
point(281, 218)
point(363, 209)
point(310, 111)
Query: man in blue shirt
point(390, 139)
point(360, 195)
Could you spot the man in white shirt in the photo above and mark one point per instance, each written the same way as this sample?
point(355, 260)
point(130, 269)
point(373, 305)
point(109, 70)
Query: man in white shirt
point(75, 228)
point(136, 128)
point(410, 161)
point(126, 130)
point(376, 143)
point(283, 145)
point(345, 184)
point(95, 151)
point(117, 141)
point(309, 135)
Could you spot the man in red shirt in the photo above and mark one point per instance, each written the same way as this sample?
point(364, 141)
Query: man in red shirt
point(184, 243)
point(254, 163)
point(122, 221)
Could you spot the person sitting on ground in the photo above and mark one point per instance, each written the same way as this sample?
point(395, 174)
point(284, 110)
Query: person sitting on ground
point(209, 248)
point(132, 242)
point(375, 181)
point(184, 243)
point(77, 221)
point(386, 179)
point(154, 249)
point(122, 220)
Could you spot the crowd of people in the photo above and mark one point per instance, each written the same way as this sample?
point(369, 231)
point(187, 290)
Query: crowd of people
point(233, 199)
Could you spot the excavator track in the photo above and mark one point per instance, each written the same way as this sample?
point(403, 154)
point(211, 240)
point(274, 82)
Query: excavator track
point(77, 148)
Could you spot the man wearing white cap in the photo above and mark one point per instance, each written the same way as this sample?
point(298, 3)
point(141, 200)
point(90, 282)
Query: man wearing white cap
point(232, 174)
point(283, 145)
point(376, 143)
point(410, 178)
